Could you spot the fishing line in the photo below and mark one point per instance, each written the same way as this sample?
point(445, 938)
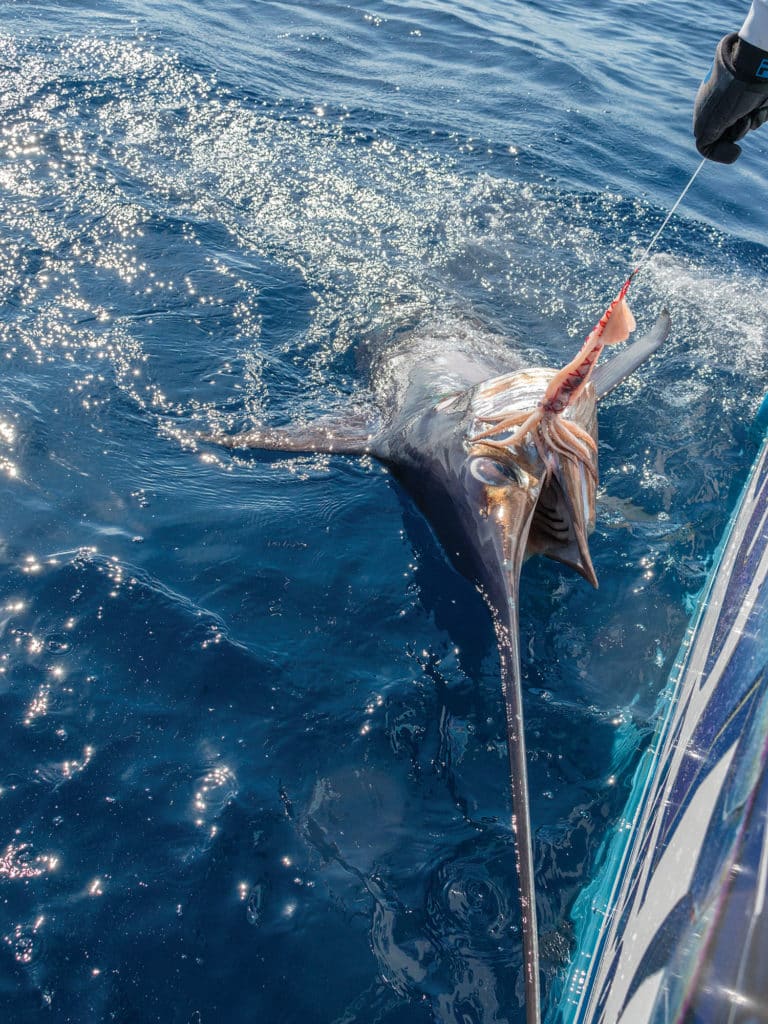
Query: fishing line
point(571, 379)
point(601, 324)
point(667, 219)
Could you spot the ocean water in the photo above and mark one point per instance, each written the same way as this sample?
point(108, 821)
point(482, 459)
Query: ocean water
point(253, 763)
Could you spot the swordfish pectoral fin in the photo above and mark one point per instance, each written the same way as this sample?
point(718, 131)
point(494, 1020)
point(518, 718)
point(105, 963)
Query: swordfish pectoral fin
point(342, 437)
point(606, 376)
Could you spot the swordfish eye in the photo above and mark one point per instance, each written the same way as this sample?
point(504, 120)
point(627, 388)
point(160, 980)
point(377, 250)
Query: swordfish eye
point(492, 472)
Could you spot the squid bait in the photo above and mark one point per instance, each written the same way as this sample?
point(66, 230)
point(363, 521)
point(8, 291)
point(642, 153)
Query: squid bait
point(550, 430)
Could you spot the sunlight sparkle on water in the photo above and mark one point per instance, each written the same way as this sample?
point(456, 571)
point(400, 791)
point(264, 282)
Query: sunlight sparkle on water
point(69, 769)
point(217, 788)
point(16, 862)
point(39, 705)
point(22, 940)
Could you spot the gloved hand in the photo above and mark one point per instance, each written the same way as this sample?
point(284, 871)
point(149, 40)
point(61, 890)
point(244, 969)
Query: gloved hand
point(732, 99)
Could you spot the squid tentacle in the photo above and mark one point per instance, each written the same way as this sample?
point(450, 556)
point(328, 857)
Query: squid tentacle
point(570, 440)
point(582, 434)
point(504, 421)
point(562, 443)
point(503, 425)
point(528, 426)
point(566, 446)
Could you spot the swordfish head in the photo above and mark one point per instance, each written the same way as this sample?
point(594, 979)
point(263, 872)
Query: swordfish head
point(528, 500)
point(493, 502)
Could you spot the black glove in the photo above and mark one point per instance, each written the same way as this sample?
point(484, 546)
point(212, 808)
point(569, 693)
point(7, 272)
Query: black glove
point(732, 99)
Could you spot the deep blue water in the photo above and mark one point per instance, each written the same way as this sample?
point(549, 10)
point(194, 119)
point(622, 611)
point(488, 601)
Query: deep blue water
point(254, 755)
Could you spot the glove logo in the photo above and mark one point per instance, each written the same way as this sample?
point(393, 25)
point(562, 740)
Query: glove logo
point(762, 71)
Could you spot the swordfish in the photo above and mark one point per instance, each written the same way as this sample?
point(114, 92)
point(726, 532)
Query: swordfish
point(503, 466)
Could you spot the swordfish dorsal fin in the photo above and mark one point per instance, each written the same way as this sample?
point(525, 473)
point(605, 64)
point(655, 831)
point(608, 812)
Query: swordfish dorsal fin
point(349, 436)
point(607, 375)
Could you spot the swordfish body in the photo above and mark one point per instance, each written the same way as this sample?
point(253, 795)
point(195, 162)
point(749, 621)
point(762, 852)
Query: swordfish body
point(493, 497)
